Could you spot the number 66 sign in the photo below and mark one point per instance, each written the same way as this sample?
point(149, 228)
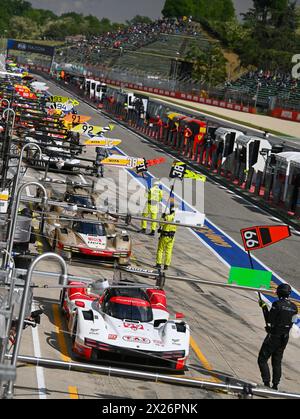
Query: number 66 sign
point(255, 238)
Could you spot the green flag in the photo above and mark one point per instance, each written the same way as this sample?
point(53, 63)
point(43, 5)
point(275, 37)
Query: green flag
point(250, 278)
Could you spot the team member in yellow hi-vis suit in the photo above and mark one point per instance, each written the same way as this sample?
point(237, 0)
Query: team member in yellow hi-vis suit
point(154, 196)
point(166, 240)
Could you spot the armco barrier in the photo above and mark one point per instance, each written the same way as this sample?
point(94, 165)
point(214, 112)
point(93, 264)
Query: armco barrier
point(286, 114)
point(205, 156)
point(182, 96)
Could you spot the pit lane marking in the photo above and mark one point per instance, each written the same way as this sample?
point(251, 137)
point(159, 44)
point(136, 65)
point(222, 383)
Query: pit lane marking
point(73, 391)
point(64, 352)
point(38, 354)
point(202, 358)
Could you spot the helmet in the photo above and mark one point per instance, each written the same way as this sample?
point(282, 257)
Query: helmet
point(284, 291)
point(156, 183)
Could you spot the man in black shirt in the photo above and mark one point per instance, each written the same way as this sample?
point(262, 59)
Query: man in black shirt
point(279, 323)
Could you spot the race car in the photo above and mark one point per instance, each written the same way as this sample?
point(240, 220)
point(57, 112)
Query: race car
point(125, 325)
point(54, 157)
point(82, 196)
point(86, 240)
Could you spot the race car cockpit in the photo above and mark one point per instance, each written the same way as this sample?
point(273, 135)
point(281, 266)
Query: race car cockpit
point(127, 304)
point(89, 229)
point(130, 309)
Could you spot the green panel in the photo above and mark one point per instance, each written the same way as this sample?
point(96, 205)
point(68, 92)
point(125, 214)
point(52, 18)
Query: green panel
point(250, 278)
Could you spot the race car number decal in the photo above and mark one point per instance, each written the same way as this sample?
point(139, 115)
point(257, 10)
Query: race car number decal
point(133, 326)
point(136, 339)
point(112, 337)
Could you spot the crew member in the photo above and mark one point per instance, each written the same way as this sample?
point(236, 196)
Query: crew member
point(154, 198)
point(166, 240)
point(187, 135)
point(102, 153)
point(279, 323)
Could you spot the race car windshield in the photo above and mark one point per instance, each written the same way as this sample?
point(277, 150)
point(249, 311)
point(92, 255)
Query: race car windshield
point(81, 201)
point(89, 229)
point(130, 312)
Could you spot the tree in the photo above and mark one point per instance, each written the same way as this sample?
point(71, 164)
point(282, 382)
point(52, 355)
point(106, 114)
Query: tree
point(59, 29)
point(93, 25)
point(40, 16)
point(23, 28)
point(178, 8)
point(214, 10)
point(273, 24)
point(208, 66)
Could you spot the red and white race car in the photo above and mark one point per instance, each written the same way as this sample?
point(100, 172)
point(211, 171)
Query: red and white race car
point(126, 324)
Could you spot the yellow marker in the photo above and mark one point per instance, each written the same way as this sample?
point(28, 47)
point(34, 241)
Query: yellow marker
point(77, 119)
point(60, 334)
point(91, 129)
point(102, 142)
point(63, 99)
point(122, 161)
point(4, 196)
point(206, 364)
point(73, 391)
point(196, 176)
point(189, 174)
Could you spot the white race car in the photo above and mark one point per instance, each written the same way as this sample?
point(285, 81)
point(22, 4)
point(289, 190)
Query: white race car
point(128, 324)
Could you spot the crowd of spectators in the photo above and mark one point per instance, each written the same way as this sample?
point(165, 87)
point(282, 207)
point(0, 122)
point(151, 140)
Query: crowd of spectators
point(130, 38)
point(273, 79)
point(265, 86)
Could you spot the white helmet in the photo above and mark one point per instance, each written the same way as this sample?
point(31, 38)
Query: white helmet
point(156, 183)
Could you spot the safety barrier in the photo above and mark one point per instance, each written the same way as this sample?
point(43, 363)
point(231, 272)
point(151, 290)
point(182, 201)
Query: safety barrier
point(286, 114)
point(205, 154)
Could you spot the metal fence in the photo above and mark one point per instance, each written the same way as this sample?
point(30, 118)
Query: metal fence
point(158, 81)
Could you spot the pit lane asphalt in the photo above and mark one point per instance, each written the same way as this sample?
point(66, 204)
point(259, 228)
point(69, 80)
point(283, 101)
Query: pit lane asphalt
point(227, 325)
point(227, 210)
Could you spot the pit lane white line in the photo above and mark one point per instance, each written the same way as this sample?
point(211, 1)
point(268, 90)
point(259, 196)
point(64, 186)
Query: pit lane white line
point(38, 354)
point(37, 347)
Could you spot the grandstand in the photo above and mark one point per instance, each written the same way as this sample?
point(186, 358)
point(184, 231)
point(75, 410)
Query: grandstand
point(148, 48)
point(266, 86)
point(145, 54)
